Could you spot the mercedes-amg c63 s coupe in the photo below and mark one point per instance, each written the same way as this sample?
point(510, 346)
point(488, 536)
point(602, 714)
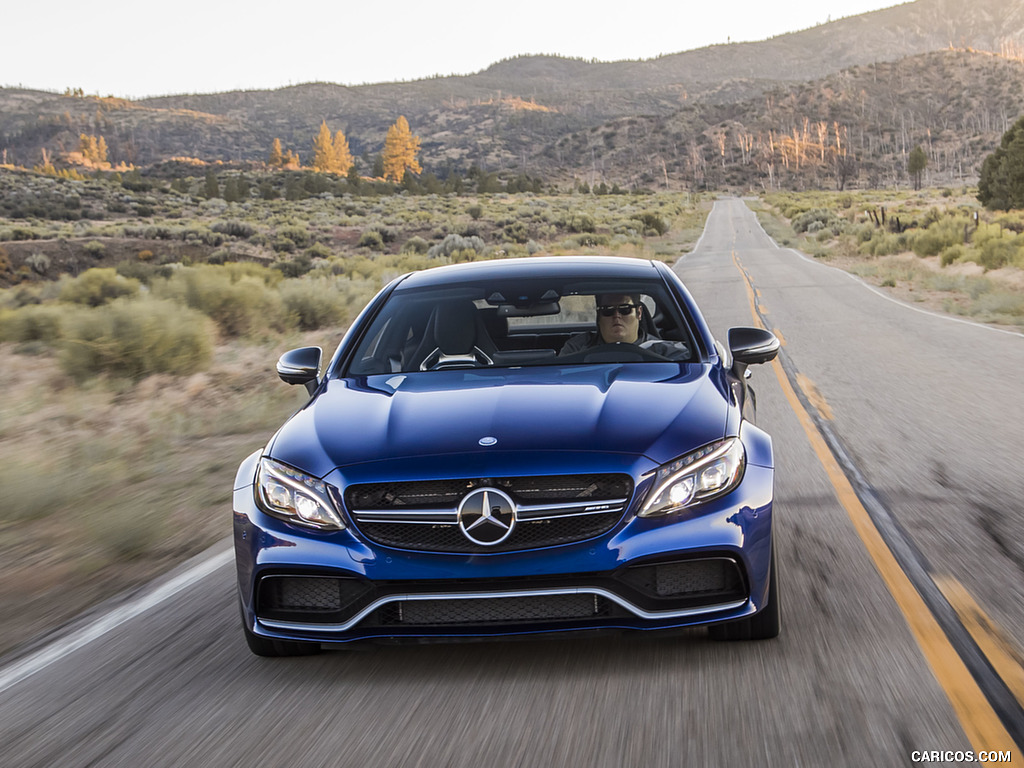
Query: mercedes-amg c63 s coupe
point(513, 448)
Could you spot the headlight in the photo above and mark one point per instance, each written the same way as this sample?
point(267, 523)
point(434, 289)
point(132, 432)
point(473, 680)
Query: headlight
point(705, 474)
point(295, 496)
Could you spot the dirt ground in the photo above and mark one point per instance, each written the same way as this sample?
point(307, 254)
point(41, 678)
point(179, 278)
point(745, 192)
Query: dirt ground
point(109, 485)
point(916, 293)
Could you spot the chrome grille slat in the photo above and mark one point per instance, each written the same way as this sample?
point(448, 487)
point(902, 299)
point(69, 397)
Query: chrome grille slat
point(536, 512)
point(445, 516)
point(369, 519)
point(550, 510)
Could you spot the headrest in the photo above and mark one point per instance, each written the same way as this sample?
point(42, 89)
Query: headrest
point(497, 327)
point(455, 327)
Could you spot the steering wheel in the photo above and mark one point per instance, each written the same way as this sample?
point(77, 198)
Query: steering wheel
point(616, 352)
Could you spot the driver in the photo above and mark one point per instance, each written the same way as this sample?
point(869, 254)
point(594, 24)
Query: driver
point(619, 317)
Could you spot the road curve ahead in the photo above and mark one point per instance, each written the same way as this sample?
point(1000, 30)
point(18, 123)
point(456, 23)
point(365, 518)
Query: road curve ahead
point(171, 683)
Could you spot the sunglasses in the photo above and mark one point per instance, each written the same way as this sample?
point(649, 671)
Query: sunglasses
point(622, 309)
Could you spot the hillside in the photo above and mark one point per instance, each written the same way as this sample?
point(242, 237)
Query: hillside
point(564, 118)
point(862, 122)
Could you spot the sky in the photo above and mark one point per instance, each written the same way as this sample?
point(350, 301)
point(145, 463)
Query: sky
point(134, 49)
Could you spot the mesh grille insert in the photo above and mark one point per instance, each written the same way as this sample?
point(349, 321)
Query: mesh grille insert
point(696, 578)
point(306, 594)
point(503, 610)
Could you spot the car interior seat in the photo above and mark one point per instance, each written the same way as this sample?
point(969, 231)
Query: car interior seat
point(455, 338)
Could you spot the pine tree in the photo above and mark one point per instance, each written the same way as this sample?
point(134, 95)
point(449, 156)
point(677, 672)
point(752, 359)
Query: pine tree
point(276, 159)
point(231, 193)
point(1001, 186)
point(212, 188)
point(101, 150)
point(400, 150)
point(323, 150)
point(916, 163)
point(353, 177)
point(343, 160)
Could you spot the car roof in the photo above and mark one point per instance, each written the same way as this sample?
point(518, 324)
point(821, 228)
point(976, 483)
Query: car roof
point(533, 267)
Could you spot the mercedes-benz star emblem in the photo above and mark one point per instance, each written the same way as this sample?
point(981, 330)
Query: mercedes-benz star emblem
point(487, 516)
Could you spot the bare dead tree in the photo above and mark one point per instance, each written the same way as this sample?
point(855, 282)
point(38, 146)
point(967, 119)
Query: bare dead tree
point(846, 168)
point(822, 130)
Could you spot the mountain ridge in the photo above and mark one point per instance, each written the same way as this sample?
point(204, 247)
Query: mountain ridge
point(514, 115)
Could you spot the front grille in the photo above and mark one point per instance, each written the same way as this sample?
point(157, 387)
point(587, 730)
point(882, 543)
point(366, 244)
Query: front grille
point(551, 510)
point(527, 535)
point(498, 610)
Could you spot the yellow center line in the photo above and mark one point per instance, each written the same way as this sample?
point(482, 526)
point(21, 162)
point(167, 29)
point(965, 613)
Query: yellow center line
point(814, 397)
point(1002, 653)
point(980, 722)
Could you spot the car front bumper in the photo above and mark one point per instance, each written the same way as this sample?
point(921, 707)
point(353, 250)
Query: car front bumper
point(709, 566)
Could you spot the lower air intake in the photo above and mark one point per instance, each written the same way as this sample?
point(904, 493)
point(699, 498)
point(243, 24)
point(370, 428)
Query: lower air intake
point(501, 610)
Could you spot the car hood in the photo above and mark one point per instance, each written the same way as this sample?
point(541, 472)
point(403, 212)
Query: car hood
point(656, 410)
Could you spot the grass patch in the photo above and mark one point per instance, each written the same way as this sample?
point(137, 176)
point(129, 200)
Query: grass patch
point(938, 245)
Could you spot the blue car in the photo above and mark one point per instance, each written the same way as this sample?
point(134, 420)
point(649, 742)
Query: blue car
point(513, 448)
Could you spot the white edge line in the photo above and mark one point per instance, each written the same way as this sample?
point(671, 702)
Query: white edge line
point(703, 231)
point(16, 672)
point(761, 227)
point(904, 304)
point(877, 292)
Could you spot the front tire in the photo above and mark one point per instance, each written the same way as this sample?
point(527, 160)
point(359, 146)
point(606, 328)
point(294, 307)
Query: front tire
point(763, 625)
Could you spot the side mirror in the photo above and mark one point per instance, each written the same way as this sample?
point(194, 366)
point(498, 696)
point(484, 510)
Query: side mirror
point(750, 346)
point(301, 366)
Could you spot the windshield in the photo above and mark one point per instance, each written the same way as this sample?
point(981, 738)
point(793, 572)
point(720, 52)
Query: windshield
point(506, 323)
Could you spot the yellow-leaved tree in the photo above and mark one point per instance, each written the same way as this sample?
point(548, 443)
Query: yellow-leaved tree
point(323, 149)
point(400, 150)
point(93, 150)
point(276, 158)
point(342, 154)
point(331, 155)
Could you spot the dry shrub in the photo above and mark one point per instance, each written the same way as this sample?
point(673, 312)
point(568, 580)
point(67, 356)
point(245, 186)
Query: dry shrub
point(244, 306)
point(33, 322)
point(133, 339)
point(97, 286)
point(313, 304)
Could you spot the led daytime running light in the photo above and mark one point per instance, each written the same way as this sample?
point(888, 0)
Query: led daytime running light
point(707, 473)
point(295, 496)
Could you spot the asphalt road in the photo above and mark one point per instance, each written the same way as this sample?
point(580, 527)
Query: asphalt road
point(929, 411)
